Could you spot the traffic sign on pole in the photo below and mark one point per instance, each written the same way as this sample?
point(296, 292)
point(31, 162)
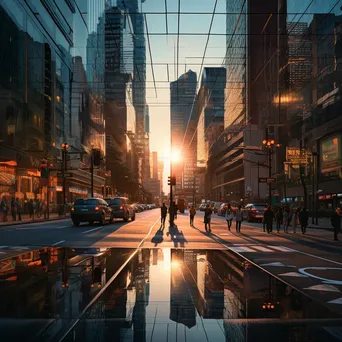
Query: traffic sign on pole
point(66, 174)
point(267, 180)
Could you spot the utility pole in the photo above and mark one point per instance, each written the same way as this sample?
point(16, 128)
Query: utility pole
point(92, 173)
point(269, 169)
point(64, 167)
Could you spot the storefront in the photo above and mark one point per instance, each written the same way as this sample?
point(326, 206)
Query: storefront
point(327, 203)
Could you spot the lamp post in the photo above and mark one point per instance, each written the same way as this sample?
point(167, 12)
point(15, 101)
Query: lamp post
point(175, 157)
point(65, 147)
point(314, 187)
point(92, 170)
point(269, 143)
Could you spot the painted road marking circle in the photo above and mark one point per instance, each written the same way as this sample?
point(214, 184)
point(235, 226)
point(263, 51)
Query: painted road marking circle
point(325, 280)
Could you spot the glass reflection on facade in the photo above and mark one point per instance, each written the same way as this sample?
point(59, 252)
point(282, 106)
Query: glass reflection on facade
point(52, 69)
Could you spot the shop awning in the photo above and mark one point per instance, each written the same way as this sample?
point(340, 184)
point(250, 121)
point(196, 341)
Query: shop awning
point(6, 178)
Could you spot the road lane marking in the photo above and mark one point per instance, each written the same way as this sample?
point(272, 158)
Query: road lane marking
point(292, 274)
point(91, 230)
point(41, 228)
point(276, 264)
point(336, 301)
point(58, 243)
point(327, 288)
point(325, 280)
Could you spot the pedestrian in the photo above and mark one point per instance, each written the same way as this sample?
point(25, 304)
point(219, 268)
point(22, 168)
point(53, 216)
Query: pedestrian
point(35, 206)
point(163, 214)
point(192, 213)
point(207, 218)
point(335, 220)
point(268, 218)
point(4, 206)
point(44, 210)
point(19, 208)
point(238, 218)
point(38, 208)
point(279, 219)
point(175, 210)
point(303, 219)
point(13, 209)
point(286, 219)
point(229, 216)
point(294, 220)
point(30, 208)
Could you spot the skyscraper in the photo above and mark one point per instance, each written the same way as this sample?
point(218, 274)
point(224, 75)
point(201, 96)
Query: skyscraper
point(183, 121)
point(119, 105)
point(210, 106)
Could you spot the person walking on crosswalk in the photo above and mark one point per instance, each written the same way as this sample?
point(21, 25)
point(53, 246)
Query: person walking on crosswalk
point(238, 218)
point(294, 219)
point(229, 216)
point(192, 213)
point(207, 218)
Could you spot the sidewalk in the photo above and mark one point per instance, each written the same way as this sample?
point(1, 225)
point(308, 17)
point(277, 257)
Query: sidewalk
point(323, 222)
point(26, 219)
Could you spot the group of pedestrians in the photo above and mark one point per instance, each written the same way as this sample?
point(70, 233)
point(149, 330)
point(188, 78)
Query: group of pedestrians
point(286, 218)
point(12, 208)
point(229, 216)
point(282, 217)
point(15, 208)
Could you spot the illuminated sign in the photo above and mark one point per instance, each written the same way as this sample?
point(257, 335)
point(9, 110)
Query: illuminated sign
point(331, 154)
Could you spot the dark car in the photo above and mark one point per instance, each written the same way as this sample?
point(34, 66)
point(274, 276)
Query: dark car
point(254, 212)
point(91, 210)
point(122, 208)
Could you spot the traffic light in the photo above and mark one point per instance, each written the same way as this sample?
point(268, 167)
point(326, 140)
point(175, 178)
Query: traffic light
point(44, 169)
point(96, 157)
point(171, 180)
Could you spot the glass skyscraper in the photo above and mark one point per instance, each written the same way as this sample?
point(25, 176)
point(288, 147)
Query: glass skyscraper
point(47, 96)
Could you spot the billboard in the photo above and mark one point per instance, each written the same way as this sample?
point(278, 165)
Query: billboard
point(330, 156)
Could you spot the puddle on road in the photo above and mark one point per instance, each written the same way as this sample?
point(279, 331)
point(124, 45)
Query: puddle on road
point(161, 295)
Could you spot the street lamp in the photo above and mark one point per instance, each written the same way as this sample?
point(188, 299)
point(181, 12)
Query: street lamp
point(65, 147)
point(175, 158)
point(269, 143)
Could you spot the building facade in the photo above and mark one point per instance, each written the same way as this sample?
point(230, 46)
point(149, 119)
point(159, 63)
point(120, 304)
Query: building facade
point(46, 96)
point(183, 132)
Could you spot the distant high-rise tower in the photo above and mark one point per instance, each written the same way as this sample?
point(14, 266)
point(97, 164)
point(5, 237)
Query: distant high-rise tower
point(183, 120)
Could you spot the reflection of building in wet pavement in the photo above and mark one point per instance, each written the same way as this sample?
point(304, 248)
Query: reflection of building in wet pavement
point(182, 308)
point(210, 286)
point(157, 255)
point(142, 285)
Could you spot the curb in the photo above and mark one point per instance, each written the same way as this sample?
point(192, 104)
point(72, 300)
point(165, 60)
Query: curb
point(17, 223)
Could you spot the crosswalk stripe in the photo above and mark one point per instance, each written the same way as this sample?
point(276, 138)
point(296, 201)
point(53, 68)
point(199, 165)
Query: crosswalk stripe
point(263, 249)
point(283, 249)
point(242, 249)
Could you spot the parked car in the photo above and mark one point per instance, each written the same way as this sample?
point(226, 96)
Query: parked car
point(91, 210)
point(222, 209)
point(254, 212)
point(122, 208)
point(216, 207)
point(138, 208)
point(202, 207)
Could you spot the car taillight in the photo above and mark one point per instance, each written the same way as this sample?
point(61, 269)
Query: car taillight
point(97, 208)
point(121, 207)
